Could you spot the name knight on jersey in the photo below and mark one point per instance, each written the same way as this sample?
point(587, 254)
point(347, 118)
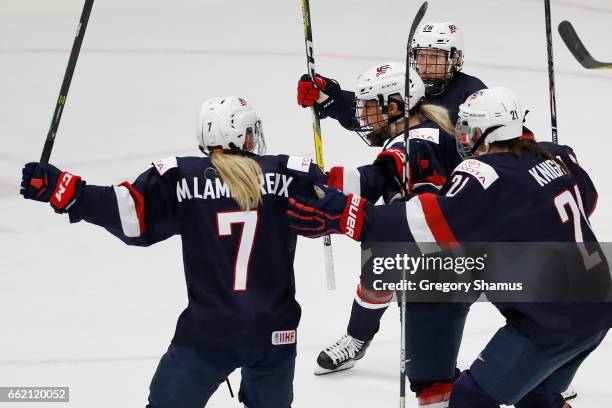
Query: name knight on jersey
point(197, 187)
point(546, 172)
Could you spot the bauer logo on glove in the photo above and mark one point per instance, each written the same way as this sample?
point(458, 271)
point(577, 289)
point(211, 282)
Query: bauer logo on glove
point(332, 213)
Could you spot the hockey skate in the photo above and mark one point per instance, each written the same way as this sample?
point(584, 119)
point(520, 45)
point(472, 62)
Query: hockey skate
point(570, 393)
point(341, 355)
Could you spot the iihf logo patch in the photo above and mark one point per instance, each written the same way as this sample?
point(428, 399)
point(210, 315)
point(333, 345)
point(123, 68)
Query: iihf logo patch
point(382, 70)
point(283, 337)
point(453, 29)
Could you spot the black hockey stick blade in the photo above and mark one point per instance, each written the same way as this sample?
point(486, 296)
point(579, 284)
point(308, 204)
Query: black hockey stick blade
point(577, 48)
point(417, 20)
point(415, 24)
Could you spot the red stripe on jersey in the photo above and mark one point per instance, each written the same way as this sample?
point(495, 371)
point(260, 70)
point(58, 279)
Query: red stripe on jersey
point(138, 204)
point(373, 296)
point(436, 221)
point(336, 178)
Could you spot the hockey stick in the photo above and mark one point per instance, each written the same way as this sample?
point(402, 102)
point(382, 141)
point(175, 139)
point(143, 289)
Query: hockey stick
point(415, 23)
point(577, 48)
point(316, 128)
point(61, 100)
point(551, 73)
point(573, 43)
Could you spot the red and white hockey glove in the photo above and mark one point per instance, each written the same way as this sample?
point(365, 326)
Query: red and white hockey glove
point(45, 182)
point(333, 213)
point(325, 93)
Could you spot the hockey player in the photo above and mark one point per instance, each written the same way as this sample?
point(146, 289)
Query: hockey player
point(437, 55)
point(433, 155)
point(238, 250)
point(525, 192)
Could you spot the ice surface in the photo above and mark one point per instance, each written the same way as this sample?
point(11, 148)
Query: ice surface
point(80, 309)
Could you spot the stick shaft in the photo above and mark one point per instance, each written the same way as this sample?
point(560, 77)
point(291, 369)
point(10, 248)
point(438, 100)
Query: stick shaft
point(330, 277)
point(551, 73)
point(402, 293)
point(61, 100)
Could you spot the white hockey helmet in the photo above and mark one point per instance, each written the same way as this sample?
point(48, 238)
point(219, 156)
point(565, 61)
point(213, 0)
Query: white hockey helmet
point(383, 84)
point(443, 36)
point(229, 123)
point(495, 112)
point(382, 81)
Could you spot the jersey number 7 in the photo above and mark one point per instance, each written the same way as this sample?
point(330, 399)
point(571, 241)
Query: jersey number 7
point(248, 219)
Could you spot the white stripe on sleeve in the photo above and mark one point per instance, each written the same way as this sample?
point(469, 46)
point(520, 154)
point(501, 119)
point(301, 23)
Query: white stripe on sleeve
point(352, 182)
point(418, 226)
point(127, 212)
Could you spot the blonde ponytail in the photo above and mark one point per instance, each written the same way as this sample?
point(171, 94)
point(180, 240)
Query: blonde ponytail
point(242, 175)
point(439, 116)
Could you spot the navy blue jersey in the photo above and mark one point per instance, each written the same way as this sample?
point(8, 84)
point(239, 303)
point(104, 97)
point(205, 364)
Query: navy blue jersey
point(458, 90)
point(238, 264)
point(433, 156)
point(460, 87)
point(343, 110)
point(501, 198)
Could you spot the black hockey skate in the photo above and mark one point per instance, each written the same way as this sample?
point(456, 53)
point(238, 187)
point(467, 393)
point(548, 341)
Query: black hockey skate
point(341, 355)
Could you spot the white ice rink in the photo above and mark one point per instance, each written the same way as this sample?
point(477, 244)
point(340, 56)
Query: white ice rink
point(80, 309)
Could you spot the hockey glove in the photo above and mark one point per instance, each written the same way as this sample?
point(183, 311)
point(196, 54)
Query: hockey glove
point(391, 163)
point(424, 174)
point(332, 213)
point(45, 182)
point(324, 94)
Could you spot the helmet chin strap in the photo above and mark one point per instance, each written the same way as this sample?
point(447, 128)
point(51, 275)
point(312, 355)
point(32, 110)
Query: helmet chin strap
point(392, 131)
point(392, 128)
point(480, 141)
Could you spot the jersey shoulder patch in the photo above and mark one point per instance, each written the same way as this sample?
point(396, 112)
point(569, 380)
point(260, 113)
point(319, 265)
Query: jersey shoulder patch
point(428, 134)
point(163, 165)
point(484, 173)
point(299, 163)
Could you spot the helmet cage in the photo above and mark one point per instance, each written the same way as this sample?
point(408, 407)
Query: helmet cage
point(464, 136)
point(258, 139)
point(453, 63)
point(375, 132)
